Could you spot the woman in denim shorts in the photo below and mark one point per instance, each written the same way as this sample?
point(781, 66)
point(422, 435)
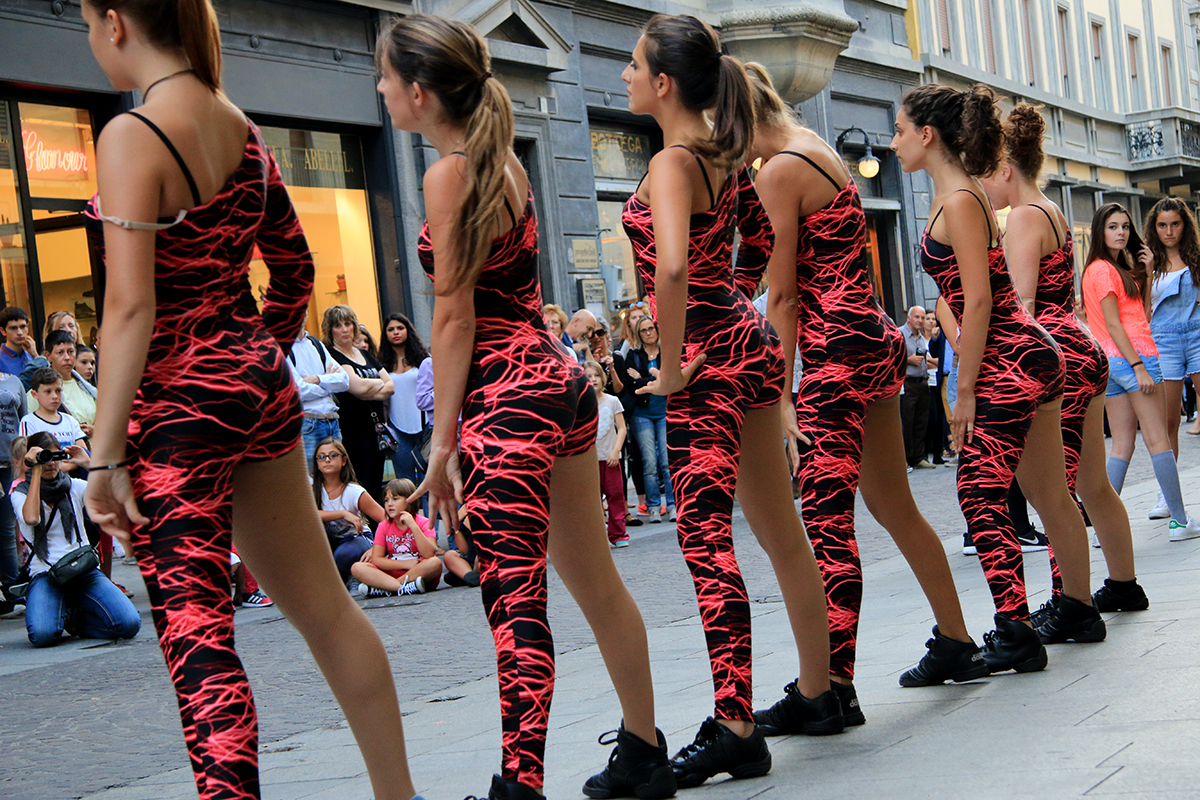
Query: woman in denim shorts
point(1170, 232)
point(1115, 288)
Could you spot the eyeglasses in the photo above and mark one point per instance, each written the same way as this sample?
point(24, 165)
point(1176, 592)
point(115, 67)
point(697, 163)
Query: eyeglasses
point(328, 456)
point(598, 332)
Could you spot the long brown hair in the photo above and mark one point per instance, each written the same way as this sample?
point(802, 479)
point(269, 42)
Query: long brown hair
point(346, 475)
point(689, 51)
point(187, 25)
point(967, 122)
point(1189, 244)
point(769, 109)
point(1133, 277)
point(451, 60)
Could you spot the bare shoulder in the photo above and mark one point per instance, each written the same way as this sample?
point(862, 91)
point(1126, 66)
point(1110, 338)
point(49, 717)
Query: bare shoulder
point(445, 182)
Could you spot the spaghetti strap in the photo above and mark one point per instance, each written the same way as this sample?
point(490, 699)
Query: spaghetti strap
point(986, 216)
point(712, 198)
point(814, 165)
point(187, 173)
point(1053, 224)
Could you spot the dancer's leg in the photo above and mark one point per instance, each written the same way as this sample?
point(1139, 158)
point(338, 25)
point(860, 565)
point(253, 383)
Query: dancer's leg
point(280, 538)
point(582, 559)
point(885, 490)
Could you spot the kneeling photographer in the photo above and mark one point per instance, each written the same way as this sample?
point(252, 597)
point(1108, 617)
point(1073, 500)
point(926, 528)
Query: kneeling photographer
point(66, 589)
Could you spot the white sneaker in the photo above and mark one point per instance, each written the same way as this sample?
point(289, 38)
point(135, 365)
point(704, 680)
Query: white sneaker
point(1181, 533)
point(416, 586)
point(1095, 540)
point(368, 592)
point(1160, 510)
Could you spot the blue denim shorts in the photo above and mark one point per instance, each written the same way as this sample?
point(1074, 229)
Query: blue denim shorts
point(1123, 380)
point(1178, 351)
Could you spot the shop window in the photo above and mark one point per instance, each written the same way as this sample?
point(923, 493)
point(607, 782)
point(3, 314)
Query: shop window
point(60, 163)
point(325, 179)
point(14, 259)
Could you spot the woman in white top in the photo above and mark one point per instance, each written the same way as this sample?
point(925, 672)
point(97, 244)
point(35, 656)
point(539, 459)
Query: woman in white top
point(402, 355)
point(342, 504)
point(49, 510)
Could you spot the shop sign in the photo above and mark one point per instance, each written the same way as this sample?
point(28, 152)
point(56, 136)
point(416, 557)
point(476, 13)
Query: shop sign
point(54, 154)
point(619, 154)
point(584, 255)
point(316, 160)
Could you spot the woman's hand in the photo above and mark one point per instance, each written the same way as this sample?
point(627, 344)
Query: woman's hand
point(963, 428)
point(111, 504)
point(355, 519)
point(1146, 258)
point(614, 458)
point(368, 557)
point(1146, 383)
point(31, 456)
point(79, 456)
point(633, 373)
point(668, 381)
point(443, 484)
point(792, 434)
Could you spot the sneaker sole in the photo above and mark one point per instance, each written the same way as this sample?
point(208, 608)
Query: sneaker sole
point(970, 551)
point(1138, 606)
point(1096, 633)
point(1033, 548)
point(662, 784)
point(1159, 515)
point(1183, 537)
point(755, 769)
point(1035, 664)
point(826, 727)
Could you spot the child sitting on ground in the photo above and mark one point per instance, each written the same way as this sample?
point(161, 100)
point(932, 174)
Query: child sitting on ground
point(403, 559)
point(610, 438)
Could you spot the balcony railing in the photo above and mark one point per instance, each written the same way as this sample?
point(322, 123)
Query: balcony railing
point(1164, 134)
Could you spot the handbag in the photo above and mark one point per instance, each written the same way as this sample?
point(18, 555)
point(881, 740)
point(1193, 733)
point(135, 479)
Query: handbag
point(74, 564)
point(384, 439)
point(420, 453)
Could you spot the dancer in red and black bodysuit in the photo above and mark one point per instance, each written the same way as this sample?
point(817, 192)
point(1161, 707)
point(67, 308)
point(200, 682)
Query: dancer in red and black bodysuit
point(528, 433)
point(681, 223)
point(1010, 380)
point(853, 372)
point(208, 446)
point(1038, 248)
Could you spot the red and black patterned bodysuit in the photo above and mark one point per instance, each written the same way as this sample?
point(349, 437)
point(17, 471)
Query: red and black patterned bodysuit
point(743, 370)
point(216, 391)
point(1086, 364)
point(853, 355)
point(1021, 369)
point(527, 403)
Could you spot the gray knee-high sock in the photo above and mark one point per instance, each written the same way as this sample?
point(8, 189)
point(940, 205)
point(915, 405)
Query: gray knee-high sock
point(1168, 480)
point(1117, 467)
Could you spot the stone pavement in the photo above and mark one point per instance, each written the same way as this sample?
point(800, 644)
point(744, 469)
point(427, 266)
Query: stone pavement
point(1117, 718)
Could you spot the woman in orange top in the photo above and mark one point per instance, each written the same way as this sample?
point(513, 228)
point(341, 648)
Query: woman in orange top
point(1115, 293)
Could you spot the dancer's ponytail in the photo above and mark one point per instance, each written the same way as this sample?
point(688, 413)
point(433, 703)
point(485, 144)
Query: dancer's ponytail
point(187, 25)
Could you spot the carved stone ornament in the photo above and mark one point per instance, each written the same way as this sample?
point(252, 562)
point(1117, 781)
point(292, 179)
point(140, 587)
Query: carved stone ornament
point(798, 44)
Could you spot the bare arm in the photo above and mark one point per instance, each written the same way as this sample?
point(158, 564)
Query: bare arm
point(614, 457)
point(967, 229)
point(31, 511)
point(370, 508)
point(1112, 321)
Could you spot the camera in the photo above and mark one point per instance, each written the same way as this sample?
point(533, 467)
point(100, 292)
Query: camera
point(46, 456)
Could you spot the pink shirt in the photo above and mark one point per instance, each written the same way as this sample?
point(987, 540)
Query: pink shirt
point(397, 542)
point(1101, 279)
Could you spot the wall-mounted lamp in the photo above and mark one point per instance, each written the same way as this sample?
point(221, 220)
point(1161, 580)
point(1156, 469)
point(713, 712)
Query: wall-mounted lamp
point(868, 165)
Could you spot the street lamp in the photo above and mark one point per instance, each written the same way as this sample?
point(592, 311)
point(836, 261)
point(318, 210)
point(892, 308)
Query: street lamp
point(868, 165)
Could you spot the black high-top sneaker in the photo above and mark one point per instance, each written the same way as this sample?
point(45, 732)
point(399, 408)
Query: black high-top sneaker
point(1013, 645)
point(717, 749)
point(947, 660)
point(1120, 596)
point(1071, 621)
point(511, 790)
point(795, 713)
point(851, 711)
point(636, 768)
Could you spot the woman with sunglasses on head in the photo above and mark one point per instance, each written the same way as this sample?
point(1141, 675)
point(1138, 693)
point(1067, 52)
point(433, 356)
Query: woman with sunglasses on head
point(185, 463)
point(650, 422)
point(723, 415)
point(1039, 251)
point(1010, 375)
point(854, 363)
point(1116, 294)
point(529, 415)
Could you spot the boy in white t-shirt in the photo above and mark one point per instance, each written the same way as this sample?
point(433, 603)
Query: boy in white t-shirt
point(46, 385)
point(610, 437)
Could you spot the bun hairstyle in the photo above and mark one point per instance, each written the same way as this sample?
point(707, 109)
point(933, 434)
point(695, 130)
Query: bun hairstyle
point(449, 59)
point(1133, 277)
point(968, 123)
point(689, 51)
point(769, 109)
point(1189, 244)
point(187, 25)
point(1024, 130)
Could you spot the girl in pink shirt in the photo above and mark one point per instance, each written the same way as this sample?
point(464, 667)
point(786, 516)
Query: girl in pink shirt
point(404, 558)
